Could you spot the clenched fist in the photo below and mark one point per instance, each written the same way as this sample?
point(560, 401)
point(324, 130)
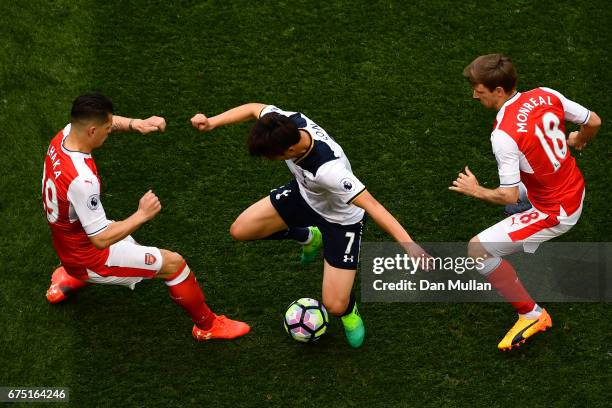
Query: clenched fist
point(202, 123)
point(149, 205)
point(152, 124)
point(576, 140)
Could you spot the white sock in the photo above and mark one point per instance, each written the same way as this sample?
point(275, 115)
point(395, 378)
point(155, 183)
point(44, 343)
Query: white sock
point(534, 314)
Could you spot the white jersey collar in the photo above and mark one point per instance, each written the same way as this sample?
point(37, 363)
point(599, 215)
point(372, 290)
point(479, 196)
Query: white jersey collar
point(511, 100)
point(66, 132)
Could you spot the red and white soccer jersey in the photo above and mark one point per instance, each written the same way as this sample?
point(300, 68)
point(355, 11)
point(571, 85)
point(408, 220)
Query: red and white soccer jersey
point(71, 199)
point(530, 146)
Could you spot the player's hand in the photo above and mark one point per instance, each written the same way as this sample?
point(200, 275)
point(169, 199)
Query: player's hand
point(202, 123)
point(152, 124)
point(466, 183)
point(417, 252)
point(149, 206)
point(576, 141)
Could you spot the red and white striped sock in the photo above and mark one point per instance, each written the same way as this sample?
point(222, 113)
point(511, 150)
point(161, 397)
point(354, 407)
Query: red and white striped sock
point(506, 282)
point(185, 292)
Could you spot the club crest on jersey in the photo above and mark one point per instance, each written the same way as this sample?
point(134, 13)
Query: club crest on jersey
point(347, 185)
point(150, 259)
point(93, 202)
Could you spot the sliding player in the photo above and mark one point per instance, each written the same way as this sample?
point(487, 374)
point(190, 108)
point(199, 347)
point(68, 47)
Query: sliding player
point(93, 249)
point(325, 204)
point(531, 147)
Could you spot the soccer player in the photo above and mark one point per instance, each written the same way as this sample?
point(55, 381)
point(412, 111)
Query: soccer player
point(93, 249)
point(531, 147)
point(324, 205)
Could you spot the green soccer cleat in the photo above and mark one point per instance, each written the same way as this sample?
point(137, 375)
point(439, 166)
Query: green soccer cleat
point(310, 250)
point(354, 328)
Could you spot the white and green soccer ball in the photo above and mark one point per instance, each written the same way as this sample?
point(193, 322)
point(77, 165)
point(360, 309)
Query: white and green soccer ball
point(306, 320)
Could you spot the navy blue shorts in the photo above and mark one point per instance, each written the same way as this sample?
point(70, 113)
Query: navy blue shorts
point(341, 243)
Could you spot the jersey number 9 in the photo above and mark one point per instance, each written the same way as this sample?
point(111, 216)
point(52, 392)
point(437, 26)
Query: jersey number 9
point(50, 201)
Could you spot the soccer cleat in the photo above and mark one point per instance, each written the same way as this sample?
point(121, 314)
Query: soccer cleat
point(310, 250)
point(222, 328)
point(519, 207)
point(523, 329)
point(354, 328)
point(63, 285)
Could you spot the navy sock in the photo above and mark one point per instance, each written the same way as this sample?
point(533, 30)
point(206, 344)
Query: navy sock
point(299, 234)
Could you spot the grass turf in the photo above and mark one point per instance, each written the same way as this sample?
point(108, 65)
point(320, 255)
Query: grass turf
point(384, 78)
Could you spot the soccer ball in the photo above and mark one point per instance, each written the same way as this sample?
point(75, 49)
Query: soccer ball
point(306, 320)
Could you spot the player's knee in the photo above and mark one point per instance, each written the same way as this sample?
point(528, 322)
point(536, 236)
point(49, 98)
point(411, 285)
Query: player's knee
point(238, 231)
point(172, 261)
point(336, 305)
point(475, 248)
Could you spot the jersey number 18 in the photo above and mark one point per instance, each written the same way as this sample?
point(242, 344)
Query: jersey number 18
point(550, 122)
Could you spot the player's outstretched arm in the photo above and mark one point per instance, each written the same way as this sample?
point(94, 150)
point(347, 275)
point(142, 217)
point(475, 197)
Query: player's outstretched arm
point(148, 207)
point(388, 223)
point(238, 114)
point(467, 184)
point(144, 126)
point(578, 140)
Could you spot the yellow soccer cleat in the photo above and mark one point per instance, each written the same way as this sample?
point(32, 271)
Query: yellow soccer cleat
point(523, 329)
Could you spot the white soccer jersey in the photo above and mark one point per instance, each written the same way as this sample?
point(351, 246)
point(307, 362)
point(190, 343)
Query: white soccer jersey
point(324, 173)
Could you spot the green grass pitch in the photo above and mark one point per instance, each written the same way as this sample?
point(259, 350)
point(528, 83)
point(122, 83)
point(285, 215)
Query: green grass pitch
point(384, 78)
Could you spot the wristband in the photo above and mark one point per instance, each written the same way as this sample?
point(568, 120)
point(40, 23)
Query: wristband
point(130, 125)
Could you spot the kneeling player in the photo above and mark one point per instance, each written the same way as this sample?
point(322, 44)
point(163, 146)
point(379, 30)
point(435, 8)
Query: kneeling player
point(530, 146)
point(322, 206)
point(95, 250)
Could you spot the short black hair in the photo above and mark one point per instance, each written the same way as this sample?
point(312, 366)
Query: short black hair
point(91, 107)
point(272, 135)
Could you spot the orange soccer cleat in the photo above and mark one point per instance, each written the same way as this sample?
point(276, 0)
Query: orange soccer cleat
point(523, 329)
point(63, 285)
point(222, 328)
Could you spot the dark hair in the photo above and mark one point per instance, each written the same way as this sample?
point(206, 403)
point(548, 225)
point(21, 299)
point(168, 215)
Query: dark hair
point(272, 135)
point(492, 70)
point(90, 107)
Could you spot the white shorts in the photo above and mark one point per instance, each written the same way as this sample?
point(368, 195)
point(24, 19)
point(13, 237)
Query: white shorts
point(128, 263)
point(526, 231)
